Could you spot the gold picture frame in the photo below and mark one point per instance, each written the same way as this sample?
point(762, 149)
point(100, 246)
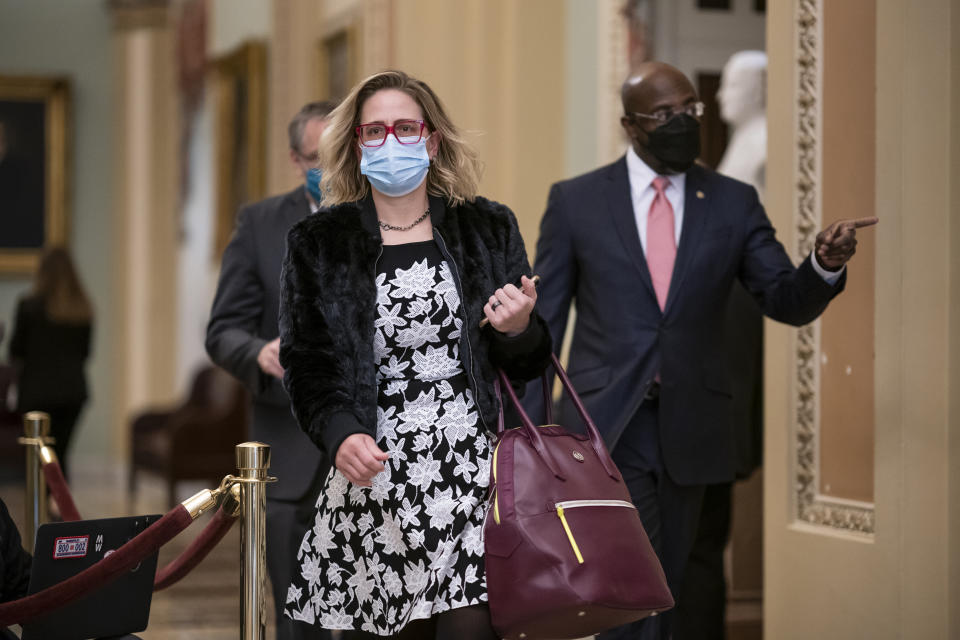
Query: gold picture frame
point(240, 85)
point(338, 62)
point(35, 145)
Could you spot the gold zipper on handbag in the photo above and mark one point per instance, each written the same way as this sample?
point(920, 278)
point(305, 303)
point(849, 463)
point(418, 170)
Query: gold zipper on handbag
point(572, 504)
point(496, 501)
point(496, 491)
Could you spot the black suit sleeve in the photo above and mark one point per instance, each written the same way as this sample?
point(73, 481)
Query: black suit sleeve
point(232, 341)
point(793, 296)
point(556, 264)
point(522, 357)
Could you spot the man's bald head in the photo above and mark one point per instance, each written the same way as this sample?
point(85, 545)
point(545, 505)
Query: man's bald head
point(653, 85)
point(661, 117)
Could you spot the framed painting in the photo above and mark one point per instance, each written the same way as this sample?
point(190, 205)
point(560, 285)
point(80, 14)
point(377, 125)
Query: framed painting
point(34, 168)
point(240, 83)
point(338, 57)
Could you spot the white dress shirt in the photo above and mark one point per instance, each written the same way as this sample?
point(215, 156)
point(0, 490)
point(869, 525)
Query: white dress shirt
point(642, 192)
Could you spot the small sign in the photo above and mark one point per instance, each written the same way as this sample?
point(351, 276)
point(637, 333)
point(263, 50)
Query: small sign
point(70, 547)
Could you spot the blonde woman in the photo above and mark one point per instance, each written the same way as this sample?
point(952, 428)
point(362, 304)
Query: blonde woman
point(389, 371)
point(50, 345)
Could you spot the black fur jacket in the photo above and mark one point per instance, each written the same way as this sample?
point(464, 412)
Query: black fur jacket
point(328, 308)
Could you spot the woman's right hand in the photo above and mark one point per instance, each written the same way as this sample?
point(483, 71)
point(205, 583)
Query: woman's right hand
point(359, 459)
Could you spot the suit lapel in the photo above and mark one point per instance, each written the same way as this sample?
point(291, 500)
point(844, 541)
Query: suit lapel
point(297, 206)
point(293, 208)
point(695, 210)
point(620, 205)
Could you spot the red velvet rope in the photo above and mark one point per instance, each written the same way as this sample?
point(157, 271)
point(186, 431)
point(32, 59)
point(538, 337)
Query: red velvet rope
point(60, 491)
point(108, 569)
point(194, 554)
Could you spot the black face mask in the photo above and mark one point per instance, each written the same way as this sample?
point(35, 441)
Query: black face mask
point(676, 143)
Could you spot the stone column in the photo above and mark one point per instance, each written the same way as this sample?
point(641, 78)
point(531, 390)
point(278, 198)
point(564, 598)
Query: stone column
point(147, 208)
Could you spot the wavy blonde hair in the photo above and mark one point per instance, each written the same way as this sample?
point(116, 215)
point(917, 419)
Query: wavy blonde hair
point(454, 171)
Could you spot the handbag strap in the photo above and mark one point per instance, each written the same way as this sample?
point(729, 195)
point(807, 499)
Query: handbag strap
point(547, 388)
point(596, 440)
point(533, 434)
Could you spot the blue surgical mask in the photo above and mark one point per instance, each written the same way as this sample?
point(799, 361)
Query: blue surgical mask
point(313, 184)
point(395, 169)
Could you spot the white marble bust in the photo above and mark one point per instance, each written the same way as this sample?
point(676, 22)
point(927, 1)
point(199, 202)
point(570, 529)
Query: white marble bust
point(742, 98)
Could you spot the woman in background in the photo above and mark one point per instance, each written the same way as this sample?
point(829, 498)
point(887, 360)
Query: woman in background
point(50, 344)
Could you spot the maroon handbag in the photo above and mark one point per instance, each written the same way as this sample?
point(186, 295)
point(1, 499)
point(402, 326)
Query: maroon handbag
point(566, 555)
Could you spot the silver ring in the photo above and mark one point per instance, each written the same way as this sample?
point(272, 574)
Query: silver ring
point(496, 304)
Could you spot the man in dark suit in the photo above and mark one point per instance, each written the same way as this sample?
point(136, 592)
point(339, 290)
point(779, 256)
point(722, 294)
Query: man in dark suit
point(648, 248)
point(243, 338)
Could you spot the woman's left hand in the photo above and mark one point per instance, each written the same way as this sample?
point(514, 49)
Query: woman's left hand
point(509, 308)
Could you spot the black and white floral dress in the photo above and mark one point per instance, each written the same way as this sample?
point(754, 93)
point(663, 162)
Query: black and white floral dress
point(411, 545)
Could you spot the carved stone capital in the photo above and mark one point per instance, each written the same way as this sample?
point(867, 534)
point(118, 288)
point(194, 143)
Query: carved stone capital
point(140, 14)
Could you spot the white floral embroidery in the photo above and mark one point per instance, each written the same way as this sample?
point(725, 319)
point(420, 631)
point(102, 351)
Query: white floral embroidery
point(392, 582)
point(448, 289)
point(294, 594)
point(323, 535)
point(417, 281)
point(458, 422)
point(386, 423)
point(440, 508)
point(411, 545)
point(464, 466)
point(379, 345)
point(390, 535)
point(408, 513)
point(419, 307)
point(418, 334)
point(444, 389)
point(310, 568)
point(424, 472)
point(389, 319)
point(435, 364)
point(419, 414)
point(383, 290)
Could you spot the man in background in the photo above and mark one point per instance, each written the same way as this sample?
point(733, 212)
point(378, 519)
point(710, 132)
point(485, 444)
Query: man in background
point(243, 338)
point(648, 248)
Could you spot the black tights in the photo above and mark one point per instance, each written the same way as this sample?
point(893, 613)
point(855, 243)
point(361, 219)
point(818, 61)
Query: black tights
point(465, 623)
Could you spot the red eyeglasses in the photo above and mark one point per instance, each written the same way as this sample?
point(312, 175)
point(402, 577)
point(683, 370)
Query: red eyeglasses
point(375, 134)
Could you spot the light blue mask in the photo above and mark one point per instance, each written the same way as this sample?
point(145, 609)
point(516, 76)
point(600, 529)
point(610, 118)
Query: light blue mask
point(313, 184)
point(395, 169)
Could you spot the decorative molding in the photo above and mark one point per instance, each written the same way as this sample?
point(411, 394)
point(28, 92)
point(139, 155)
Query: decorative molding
point(812, 507)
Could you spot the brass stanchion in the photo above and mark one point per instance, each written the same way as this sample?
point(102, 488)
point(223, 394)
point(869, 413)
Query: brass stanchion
point(253, 460)
point(36, 433)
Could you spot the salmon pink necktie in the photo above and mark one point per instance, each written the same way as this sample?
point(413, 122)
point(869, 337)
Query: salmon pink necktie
point(661, 241)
